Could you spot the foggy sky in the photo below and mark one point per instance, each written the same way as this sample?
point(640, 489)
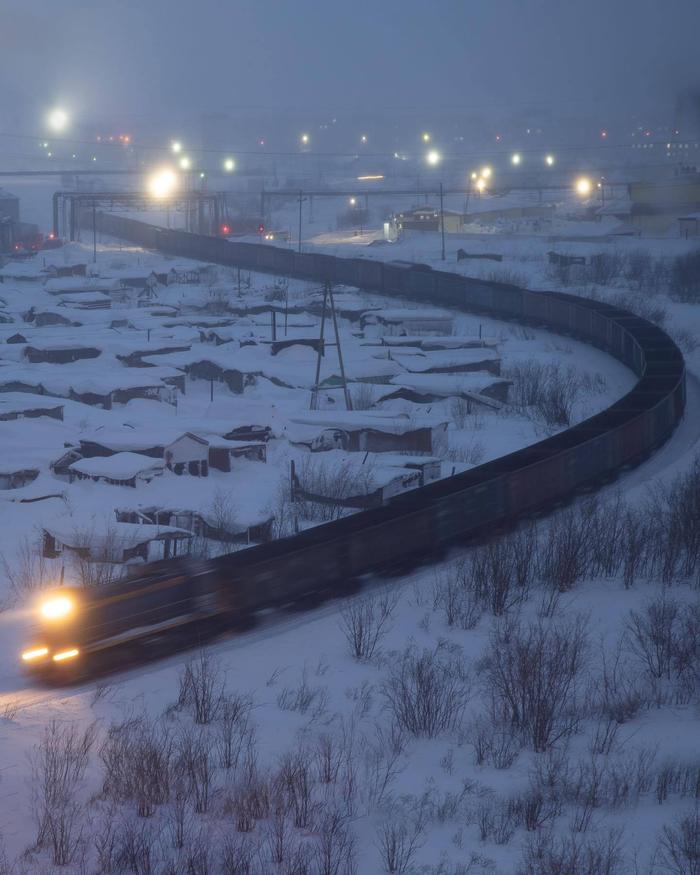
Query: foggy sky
point(173, 60)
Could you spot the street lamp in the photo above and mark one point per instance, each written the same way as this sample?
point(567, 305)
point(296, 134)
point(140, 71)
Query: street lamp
point(176, 146)
point(185, 163)
point(583, 186)
point(353, 201)
point(305, 139)
point(162, 183)
point(486, 172)
point(229, 165)
point(515, 159)
point(480, 184)
point(363, 138)
point(549, 160)
point(58, 119)
point(426, 137)
point(433, 157)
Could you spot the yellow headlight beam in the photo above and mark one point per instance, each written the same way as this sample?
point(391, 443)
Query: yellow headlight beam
point(65, 654)
point(29, 655)
point(56, 608)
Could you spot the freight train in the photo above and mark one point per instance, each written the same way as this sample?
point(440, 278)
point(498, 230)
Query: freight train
point(174, 601)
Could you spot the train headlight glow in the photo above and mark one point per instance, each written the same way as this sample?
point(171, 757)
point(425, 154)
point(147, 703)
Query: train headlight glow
point(66, 654)
point(37, 653)
point(56, 608)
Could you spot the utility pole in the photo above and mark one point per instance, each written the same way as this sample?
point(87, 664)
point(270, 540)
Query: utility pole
point(94, 232)
point(329, 304)
point(301, 198)
point(442, 223)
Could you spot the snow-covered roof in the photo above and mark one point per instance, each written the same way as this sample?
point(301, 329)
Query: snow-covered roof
point(447, 384)
point(122, 535)
point(358, 420)
point(120, 466)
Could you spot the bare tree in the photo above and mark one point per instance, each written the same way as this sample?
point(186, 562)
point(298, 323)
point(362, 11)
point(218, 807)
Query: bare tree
point(234, 732)
point(652, 636)
point(364, 622)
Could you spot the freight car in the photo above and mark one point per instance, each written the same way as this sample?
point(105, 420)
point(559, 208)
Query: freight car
point(177, 600)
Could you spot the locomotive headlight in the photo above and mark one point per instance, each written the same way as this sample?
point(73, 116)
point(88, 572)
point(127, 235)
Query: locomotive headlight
point(56, 608)
point(36, 653)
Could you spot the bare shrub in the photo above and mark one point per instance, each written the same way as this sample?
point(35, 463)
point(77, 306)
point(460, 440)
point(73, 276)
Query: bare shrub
point(500, 572)
point(549, 854)
point(620, 695)
point(136, 846)
point(136, 757)
point(684, 280)
point(652, 636)
point(532, 674)
point(238, 855)
point(647, 309)
point(364, 622)
point(194, 767)
point(472, 453)
point(427, 692)
point(546, 390)
point(29, 573)
point(294, 783)
point(565, 549)
point(679, 846)
point(303, 697)
point(335, 851)
point(454, 595)
point(233, 730)
point(324, 488)
point(58, 768)
point(399, 838)
point(201, 688)
point(604, 267)
point(382, 763)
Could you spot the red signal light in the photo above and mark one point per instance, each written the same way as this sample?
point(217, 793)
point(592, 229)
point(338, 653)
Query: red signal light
point(261, 228)
point(225, 229)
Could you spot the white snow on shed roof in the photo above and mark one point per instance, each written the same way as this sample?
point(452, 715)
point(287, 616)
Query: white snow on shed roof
point(120, 466)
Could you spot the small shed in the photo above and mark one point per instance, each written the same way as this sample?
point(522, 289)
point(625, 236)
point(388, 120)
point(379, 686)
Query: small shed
point(188, 454)
point(121, 469)
point(20, 406)
point(222, 451)
point(116, 543)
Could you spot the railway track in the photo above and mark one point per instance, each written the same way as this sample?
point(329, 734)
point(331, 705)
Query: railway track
point(171, 599)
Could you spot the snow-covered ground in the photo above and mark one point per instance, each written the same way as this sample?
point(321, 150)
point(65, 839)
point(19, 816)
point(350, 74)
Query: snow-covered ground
point(337, 749)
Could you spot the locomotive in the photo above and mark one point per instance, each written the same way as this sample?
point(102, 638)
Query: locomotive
point(176, 601)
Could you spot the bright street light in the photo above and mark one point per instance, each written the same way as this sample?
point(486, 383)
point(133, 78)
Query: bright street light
point(515, 158)
point(305, 139)
point(426, 137)
point(486, 172)
point(176, 146)
point(353, 201)
point(480, 184)
point(58, 119)
point(474, 175)
point(185, 163)
point(549, 160)
point(229, 165)
point(162, 183)
point(584, 186)
point(433, 157)
point(363, 138)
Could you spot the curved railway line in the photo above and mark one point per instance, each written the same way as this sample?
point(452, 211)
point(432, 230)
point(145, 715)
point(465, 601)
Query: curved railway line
point(171, 599)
